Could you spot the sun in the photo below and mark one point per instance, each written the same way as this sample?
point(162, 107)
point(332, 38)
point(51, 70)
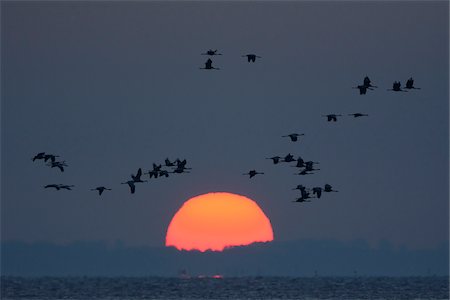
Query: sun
point(215, 221)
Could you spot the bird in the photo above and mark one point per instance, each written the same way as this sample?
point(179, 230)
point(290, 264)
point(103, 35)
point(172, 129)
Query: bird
point(293, 136)
point(211, 52)
point(179, 170)
point(137, 177)
point(59, 164)
point(131, 185)
point(155, 172)
point(300, 187)
point(410, 84)
point(164, 173)
point(309, 166)
point(304, 172)
point(367, 83)
point(56, 186)
point(288, 158)
point(357, 115)
point(362, 89)
point(40, 155)
point(168, 163)
point(300, 163)
point(317, 191)
point(328, 188)
point(65, 186)
point(252, 173)
point(100, 189)
point(396, 87)
point(208, 65)
point(275, 159)
point(305, 195)
point(331, 117)
point(51, 157)
point(251, 57)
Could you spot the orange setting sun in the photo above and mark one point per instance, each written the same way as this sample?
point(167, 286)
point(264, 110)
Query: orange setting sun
point(215, 221)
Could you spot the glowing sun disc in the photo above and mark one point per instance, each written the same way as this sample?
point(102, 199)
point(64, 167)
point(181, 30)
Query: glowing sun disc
point(215, 221)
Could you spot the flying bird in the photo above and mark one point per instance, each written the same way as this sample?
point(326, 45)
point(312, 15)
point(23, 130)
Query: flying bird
point(317, 191)
point(288, 158)
point(40, 155)
point(396, 87)
point(293, 136)
point(58, 164)
point(331, 117)
point(304, 172)
point(357, 115)
point(168, 163)
point(100, 189)
point(367, 83)
point(137, 177)
point(251, 57)
point(362, 89)
point(410, 84)
point(252, 173)
point(211, 52)
point(55, 186)
point(208, 65)
point(131, 185)
point(328, 188)
point(275, 159)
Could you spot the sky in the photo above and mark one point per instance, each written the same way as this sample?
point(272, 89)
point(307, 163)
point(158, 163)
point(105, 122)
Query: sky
point(114, 86)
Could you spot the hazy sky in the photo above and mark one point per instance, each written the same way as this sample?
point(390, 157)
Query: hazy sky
point(114, 86)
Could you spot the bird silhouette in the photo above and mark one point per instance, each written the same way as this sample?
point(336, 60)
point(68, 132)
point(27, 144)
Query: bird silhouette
point(252, 173)
point(131, 185)
point(164, 173)
point(331, 117)
point(328, 188)
point(300, 163)
point(275, 159)
point(367, 83)
point(357, 115)
point(40, 155)
point(288, 158)
point(100, 189)
point(317, 191)
point(293, 136)
point(304, 172)
point(55, 186)
point(168, 163)
point(300, 187)
point(58, 164)
point(251, 57)
point(208, 65)
point(309, 166)
point(211, 52)
point(137, 177)
point(396, 87)
point(410, 84)
point(362, 89)
point(180, 169)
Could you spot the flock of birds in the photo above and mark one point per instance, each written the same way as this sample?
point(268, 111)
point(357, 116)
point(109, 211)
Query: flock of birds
point(176, 167)
point(179, 166)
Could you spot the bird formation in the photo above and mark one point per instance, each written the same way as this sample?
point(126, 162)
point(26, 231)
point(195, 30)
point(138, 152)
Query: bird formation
point(396, 86)
point(210, 52)
point(176, 167)
point(179, 166)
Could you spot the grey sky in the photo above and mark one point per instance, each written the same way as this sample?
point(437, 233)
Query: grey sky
point(114, 86)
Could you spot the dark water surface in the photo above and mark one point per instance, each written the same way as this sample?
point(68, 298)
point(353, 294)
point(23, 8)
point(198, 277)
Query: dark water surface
point(225, 288)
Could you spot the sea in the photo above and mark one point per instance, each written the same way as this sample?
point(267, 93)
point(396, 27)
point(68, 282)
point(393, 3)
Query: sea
point(218, 287)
